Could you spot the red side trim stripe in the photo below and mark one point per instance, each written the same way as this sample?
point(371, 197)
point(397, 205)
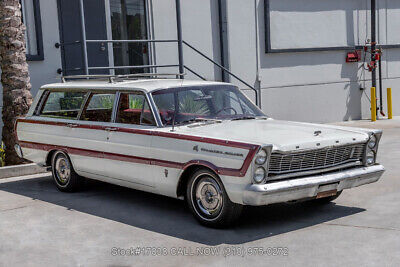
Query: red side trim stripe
point(127, 158)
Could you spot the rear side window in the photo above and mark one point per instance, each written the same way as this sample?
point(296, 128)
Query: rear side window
point(64, 105)
point(98, 107)
point(133, 108)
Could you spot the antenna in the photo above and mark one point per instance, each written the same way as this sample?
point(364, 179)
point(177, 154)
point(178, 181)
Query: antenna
point(173, 122)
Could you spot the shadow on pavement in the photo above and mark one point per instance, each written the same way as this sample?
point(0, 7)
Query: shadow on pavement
point(171, 217)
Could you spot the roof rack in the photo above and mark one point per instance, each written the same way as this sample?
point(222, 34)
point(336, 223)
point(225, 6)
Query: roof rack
point(114, 78)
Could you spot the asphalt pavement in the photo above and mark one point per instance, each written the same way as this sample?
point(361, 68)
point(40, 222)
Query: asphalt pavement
point(108, 225)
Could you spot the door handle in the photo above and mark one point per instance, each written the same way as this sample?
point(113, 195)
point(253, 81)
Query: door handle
point(111, 129)
point(72, 125)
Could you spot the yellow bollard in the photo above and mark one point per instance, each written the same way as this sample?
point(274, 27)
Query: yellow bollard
point(373, 104)
point(389, 103)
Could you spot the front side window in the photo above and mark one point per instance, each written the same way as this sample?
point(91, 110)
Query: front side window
point(133, 108)
point(64, 105)
point(98, 107)
point(183, 105)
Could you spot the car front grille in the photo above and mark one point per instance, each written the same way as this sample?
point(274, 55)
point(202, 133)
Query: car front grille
point(283, 163)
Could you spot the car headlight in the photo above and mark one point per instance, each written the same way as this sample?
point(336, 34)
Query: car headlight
point(259, 175)
point(372, 142)
point(261, 157)
point(370, 159)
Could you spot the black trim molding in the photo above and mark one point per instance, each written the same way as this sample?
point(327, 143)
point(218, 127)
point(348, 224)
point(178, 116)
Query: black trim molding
point(268, 49)
point(39, 37)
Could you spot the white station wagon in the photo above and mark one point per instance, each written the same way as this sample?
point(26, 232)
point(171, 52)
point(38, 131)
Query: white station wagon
point(205, 142)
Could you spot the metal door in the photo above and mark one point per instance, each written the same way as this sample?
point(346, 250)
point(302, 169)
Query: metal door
point(70, 36)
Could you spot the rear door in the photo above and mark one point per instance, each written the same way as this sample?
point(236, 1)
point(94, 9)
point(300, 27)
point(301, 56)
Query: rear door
point(91, 133)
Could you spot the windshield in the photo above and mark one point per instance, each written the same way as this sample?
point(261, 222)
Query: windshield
point(189, 104)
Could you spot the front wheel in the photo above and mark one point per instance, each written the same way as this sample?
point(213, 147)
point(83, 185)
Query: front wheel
point(209, 202)
point(66, 179)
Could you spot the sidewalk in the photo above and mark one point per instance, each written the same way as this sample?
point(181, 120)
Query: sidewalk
point(383, 123)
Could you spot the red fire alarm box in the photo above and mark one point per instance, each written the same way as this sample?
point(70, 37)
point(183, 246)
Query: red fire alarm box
point(354, 56)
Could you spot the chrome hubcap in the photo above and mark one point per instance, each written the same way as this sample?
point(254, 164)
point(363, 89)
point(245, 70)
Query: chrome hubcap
point(62, 169)
point(208, 197)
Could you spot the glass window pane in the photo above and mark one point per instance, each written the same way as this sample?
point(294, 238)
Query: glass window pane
point(165, 103)
point(193, 102)
point(210, 102)
point(128, 22)
point(63, 105)
point(28, 18)
point(226, 102)
point(99, 108)
point(133, 109)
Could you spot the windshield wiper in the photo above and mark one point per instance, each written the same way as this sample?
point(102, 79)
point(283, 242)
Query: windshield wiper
point(244, 118)
point(198, 120)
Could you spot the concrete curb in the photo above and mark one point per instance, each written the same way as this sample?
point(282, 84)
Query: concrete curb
point(20, 170)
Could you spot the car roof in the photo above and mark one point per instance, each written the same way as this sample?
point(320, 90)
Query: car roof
point(147, 85)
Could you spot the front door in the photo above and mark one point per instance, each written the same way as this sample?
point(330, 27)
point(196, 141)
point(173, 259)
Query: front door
point(128, 148)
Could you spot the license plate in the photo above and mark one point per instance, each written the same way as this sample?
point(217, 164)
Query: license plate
point(328, 193)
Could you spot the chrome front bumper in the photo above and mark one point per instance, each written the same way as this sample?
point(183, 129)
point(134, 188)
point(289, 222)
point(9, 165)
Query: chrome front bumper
point(310, 186)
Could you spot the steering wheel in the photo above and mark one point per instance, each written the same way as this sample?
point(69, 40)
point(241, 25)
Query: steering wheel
point(227, 108)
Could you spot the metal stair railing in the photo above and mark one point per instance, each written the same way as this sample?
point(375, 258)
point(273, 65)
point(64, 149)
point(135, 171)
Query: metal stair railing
point(180, 42)
point(222, 68)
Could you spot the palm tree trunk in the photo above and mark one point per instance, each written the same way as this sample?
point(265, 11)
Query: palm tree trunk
point(14, 73)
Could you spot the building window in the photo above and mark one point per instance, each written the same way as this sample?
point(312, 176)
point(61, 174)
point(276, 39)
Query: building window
point(128, 22)
point(32, 20)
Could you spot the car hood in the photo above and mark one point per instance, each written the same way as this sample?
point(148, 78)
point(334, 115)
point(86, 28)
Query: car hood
point(283, 135)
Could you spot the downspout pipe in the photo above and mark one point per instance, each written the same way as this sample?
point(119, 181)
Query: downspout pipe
point(83, 38)
point(223, 38)
point(373, 41)
point(180, 40)
point(258, 56)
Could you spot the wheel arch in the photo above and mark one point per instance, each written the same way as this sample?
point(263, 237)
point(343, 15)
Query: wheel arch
point(50, 156)
point(190, 168)
point(51, 153)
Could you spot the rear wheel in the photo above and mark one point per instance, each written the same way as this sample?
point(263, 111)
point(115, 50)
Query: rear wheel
point(66, 179)
point(208, 201)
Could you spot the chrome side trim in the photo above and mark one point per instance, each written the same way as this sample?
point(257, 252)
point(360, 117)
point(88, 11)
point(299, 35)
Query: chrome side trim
point(115, 107)
point(154, 110)
point(83, 105)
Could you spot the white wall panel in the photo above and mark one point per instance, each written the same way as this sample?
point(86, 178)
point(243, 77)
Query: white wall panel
point(199, 28)
point(314, 23)
point(393, 19)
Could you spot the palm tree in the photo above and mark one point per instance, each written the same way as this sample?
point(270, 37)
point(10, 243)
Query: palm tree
point(14, 73)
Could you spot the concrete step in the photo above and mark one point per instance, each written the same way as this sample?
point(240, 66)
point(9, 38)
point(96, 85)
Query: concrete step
point(20, 170)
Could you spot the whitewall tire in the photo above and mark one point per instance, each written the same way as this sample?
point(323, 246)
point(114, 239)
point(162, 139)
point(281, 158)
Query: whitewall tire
point(209, 202)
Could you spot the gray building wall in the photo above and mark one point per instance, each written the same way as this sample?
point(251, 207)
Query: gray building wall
point(200, 27)
point(45, 71)
point(304, 86)
point(314, 86)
